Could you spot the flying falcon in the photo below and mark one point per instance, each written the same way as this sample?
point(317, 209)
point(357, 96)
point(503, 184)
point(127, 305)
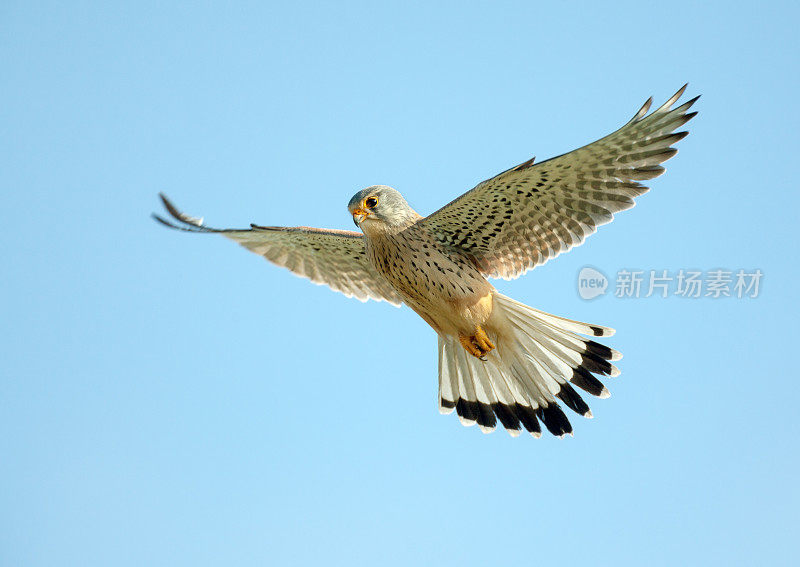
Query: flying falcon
point(498, 359)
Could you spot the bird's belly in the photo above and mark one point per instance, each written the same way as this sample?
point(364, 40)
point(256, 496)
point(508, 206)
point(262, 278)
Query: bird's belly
point(451, 295)
point(458, 317)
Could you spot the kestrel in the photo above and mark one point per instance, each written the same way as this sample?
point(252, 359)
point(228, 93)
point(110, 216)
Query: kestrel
point(498, 359)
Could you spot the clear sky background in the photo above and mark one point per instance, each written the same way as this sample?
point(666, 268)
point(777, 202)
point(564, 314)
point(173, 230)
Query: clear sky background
point(171, 399)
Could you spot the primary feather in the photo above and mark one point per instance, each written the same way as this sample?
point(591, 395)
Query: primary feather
point(531, 213)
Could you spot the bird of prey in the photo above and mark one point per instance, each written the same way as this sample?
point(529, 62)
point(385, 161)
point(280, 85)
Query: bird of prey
point(499, 360)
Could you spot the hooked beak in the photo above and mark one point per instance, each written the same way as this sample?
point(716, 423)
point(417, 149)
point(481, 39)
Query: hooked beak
point(359, 215)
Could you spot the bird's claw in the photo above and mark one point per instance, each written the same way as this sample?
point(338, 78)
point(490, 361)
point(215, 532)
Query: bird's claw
point(478, 344)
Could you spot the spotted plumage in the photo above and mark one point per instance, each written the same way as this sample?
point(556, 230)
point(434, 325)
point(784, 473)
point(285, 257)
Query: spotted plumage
point(498, 359)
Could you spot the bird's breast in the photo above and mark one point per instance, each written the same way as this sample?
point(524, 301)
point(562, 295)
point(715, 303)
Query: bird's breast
point(420, 270)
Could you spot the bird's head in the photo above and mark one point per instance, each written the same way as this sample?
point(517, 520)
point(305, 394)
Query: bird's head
point(380, 209)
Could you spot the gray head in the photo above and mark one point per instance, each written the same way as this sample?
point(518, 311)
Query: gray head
point(380, 208)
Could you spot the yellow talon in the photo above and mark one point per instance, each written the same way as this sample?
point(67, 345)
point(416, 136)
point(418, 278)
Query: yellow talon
point(483, 340)
point(478, 345)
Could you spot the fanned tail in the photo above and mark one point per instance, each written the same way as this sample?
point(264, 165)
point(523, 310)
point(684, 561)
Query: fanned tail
point(537, 359)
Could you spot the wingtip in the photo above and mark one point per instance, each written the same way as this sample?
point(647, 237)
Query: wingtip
point(157, 218)
point(691, 102)
point(672, 100)
point(166, 202)
point(643, 110)
point(180, 216)
point(171, 209)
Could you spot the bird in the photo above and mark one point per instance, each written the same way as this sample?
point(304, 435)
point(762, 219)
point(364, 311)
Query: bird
point(499, 359)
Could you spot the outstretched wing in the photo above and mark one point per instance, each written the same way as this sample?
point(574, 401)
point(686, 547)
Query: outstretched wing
point(335, 258)
point(531, 213)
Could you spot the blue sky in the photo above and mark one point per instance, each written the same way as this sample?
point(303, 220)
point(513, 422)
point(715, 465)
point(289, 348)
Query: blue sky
point(171, 399)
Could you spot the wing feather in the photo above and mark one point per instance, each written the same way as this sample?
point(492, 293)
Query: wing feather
point(531, 213)
point(335, 258)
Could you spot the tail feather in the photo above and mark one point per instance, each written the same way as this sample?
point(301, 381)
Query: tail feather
point(527, 415)
point(502, 399)
point(467, 390)
point(537, 360)
point(561, 322)
point(522, 369)
point(588, 383)
point(561, 334)
point(572, 350)
point(515, 404)
point(573, 401)
point(602, 351)
point(555, 420)
point(568, 346)
point(448, 392)
point(486, 398)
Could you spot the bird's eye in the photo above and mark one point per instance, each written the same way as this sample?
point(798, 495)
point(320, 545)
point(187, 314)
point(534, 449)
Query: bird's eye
point(371, 202)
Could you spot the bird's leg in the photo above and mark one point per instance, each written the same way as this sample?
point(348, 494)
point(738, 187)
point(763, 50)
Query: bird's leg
point(478, 345)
